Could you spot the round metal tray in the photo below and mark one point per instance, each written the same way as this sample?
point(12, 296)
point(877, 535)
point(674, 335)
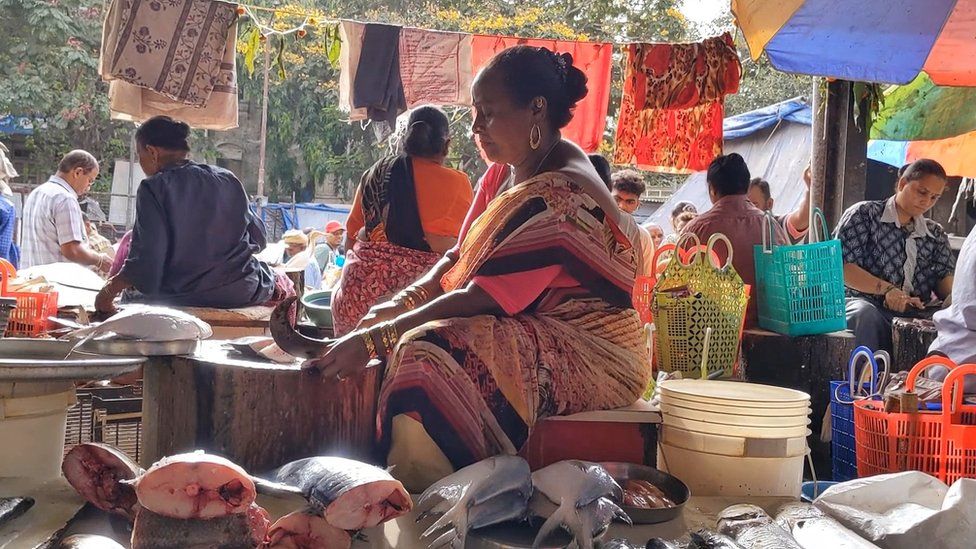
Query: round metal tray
point(23, 359)
point(128, 347)
point(672, 487)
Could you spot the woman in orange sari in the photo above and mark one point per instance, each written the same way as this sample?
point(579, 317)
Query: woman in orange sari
point(407, 212)
point(530, 317)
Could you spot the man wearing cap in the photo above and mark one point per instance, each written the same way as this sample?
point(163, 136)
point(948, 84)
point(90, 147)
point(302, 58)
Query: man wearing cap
point(295, 243)
point(326, 253)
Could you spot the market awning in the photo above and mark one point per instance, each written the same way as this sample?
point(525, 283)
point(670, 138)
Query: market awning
point(923, 111)
point(888, 41)
point(956, 154)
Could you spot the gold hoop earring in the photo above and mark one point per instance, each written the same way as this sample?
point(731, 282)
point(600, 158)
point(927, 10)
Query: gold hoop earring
point(535, 137)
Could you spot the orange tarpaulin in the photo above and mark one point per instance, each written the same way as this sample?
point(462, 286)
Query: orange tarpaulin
point(593, 58)
point(956, 154)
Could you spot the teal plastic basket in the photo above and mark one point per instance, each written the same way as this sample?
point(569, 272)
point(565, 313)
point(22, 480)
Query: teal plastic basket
point(800, 289)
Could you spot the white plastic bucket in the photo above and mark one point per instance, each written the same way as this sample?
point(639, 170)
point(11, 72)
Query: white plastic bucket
point(734, 446)
point(716, 475)
point(32, 433)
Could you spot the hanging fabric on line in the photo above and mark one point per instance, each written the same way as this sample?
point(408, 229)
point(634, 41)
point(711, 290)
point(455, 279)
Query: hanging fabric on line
point(673, 103)
point(140, 46)
point(593, 58)
point(135, 102)
point(377, 86)
point(435, 67)
point(351, 35)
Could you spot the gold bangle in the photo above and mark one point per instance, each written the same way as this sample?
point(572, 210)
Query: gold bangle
point(409, 302)
point(370, 345)
point(390, 336)
point(420, 292)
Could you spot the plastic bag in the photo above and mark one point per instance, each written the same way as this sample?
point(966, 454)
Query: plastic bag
point(905, 510)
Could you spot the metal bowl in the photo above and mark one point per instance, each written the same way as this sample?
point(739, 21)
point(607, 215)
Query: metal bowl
point(676, 491)
point(23, 359)
point(133, 347)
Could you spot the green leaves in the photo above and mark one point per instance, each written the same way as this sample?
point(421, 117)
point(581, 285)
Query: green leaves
point(248, 45)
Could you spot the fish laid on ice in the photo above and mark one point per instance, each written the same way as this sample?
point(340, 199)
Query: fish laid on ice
point(197, 485)
point(752, 528)
point(488, 492)
point(149, 323)
point(573, 485)
point(88, 541)
point(306, 530)
point(812, 528)
point(97, 472)
point(238, 531)
point(706, 539)
point(11, 508)
point(352, 494)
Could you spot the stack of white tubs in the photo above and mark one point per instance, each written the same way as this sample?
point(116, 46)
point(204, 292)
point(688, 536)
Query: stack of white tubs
point(726, 438)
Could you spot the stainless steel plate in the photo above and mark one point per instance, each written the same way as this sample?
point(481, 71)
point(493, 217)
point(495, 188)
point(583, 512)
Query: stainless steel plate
point(672, 487)
point(23, 359)
point(129, 347)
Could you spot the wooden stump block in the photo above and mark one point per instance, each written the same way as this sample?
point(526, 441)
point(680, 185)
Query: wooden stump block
point(911, 338)
point(258, 414)
point(806, 364)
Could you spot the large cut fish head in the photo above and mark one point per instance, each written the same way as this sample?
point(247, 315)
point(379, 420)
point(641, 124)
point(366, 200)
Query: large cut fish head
point(290, 339)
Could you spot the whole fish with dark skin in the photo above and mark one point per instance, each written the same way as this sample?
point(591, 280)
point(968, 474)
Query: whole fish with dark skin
point(707, 539)
point(752, 528)
point(488, 492)
point(88, 541)
point(351, 494)
point(11, 508)
point(812, 528)
point(100, 474)
point(293, 342)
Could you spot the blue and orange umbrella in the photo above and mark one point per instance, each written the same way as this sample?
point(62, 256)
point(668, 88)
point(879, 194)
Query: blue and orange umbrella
point(885, 41)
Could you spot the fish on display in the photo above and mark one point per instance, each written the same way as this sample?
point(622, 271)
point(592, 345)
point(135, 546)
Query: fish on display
point(306, 529)
point(661, 543)
point(488, 492)
point(812, 528)
point(11, 508)
point(616, 543)
point(236, 530)
point(98, 473)
point(573, 486)
point(752, 528)
point(196, 485)
point(87, 541)
point(351, 494)
point(148, 323)
point(706, 539)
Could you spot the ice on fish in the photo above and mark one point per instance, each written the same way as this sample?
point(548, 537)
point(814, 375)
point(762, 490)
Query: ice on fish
point(812, 528)
point(148, 323)
point(482, 494)
point(352, 494)
point(752, 528)
point(573, 486)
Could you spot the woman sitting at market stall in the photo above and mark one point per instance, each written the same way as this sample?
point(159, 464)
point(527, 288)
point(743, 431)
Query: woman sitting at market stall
point(894, 257)
point(407, 212)
point(194, 238)
point(533, 318)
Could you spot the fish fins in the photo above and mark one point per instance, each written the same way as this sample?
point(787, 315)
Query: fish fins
point(457, 517)
point(555, 520)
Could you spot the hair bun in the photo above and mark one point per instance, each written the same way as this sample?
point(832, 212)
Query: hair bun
point(575, 84)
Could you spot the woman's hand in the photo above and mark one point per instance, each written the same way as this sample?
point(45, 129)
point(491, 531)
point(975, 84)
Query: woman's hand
point(105, 301)
point(899, 301)
point(387, 310)
point(347, 357)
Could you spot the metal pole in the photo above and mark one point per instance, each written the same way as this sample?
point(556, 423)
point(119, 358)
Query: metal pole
point(818, 160)
point(264, 124)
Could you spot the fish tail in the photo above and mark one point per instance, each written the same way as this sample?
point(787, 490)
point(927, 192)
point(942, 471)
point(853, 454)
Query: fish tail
point(555, 520)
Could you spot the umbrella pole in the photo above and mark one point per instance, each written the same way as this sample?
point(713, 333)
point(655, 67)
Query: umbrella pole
point(264, 125)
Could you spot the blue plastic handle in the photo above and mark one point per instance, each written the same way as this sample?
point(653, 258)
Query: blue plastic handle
point(852, 372)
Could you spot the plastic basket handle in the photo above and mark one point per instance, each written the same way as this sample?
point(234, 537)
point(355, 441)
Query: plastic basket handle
point(657, 257)
point(680, 249)
point(767, 232)
point(952, 390)
point(7, 272)
point(925, 364)
point(710, 250)
point(818, 215)
point(853, 375)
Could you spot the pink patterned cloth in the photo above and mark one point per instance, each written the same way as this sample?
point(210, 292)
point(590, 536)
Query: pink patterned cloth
point(121, 254)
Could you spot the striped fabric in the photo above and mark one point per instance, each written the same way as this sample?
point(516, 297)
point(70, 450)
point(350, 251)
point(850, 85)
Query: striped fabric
point(479, 385)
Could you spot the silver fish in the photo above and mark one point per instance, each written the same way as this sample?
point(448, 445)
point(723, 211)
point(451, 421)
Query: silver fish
point(11, 508)
point(706, 539)
point(484, 493)
point(87, 541)
point(618, 544)
point(752, 528)
point(659, 543)
point(352, 495)
point(573, 486)
point(813, 528)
